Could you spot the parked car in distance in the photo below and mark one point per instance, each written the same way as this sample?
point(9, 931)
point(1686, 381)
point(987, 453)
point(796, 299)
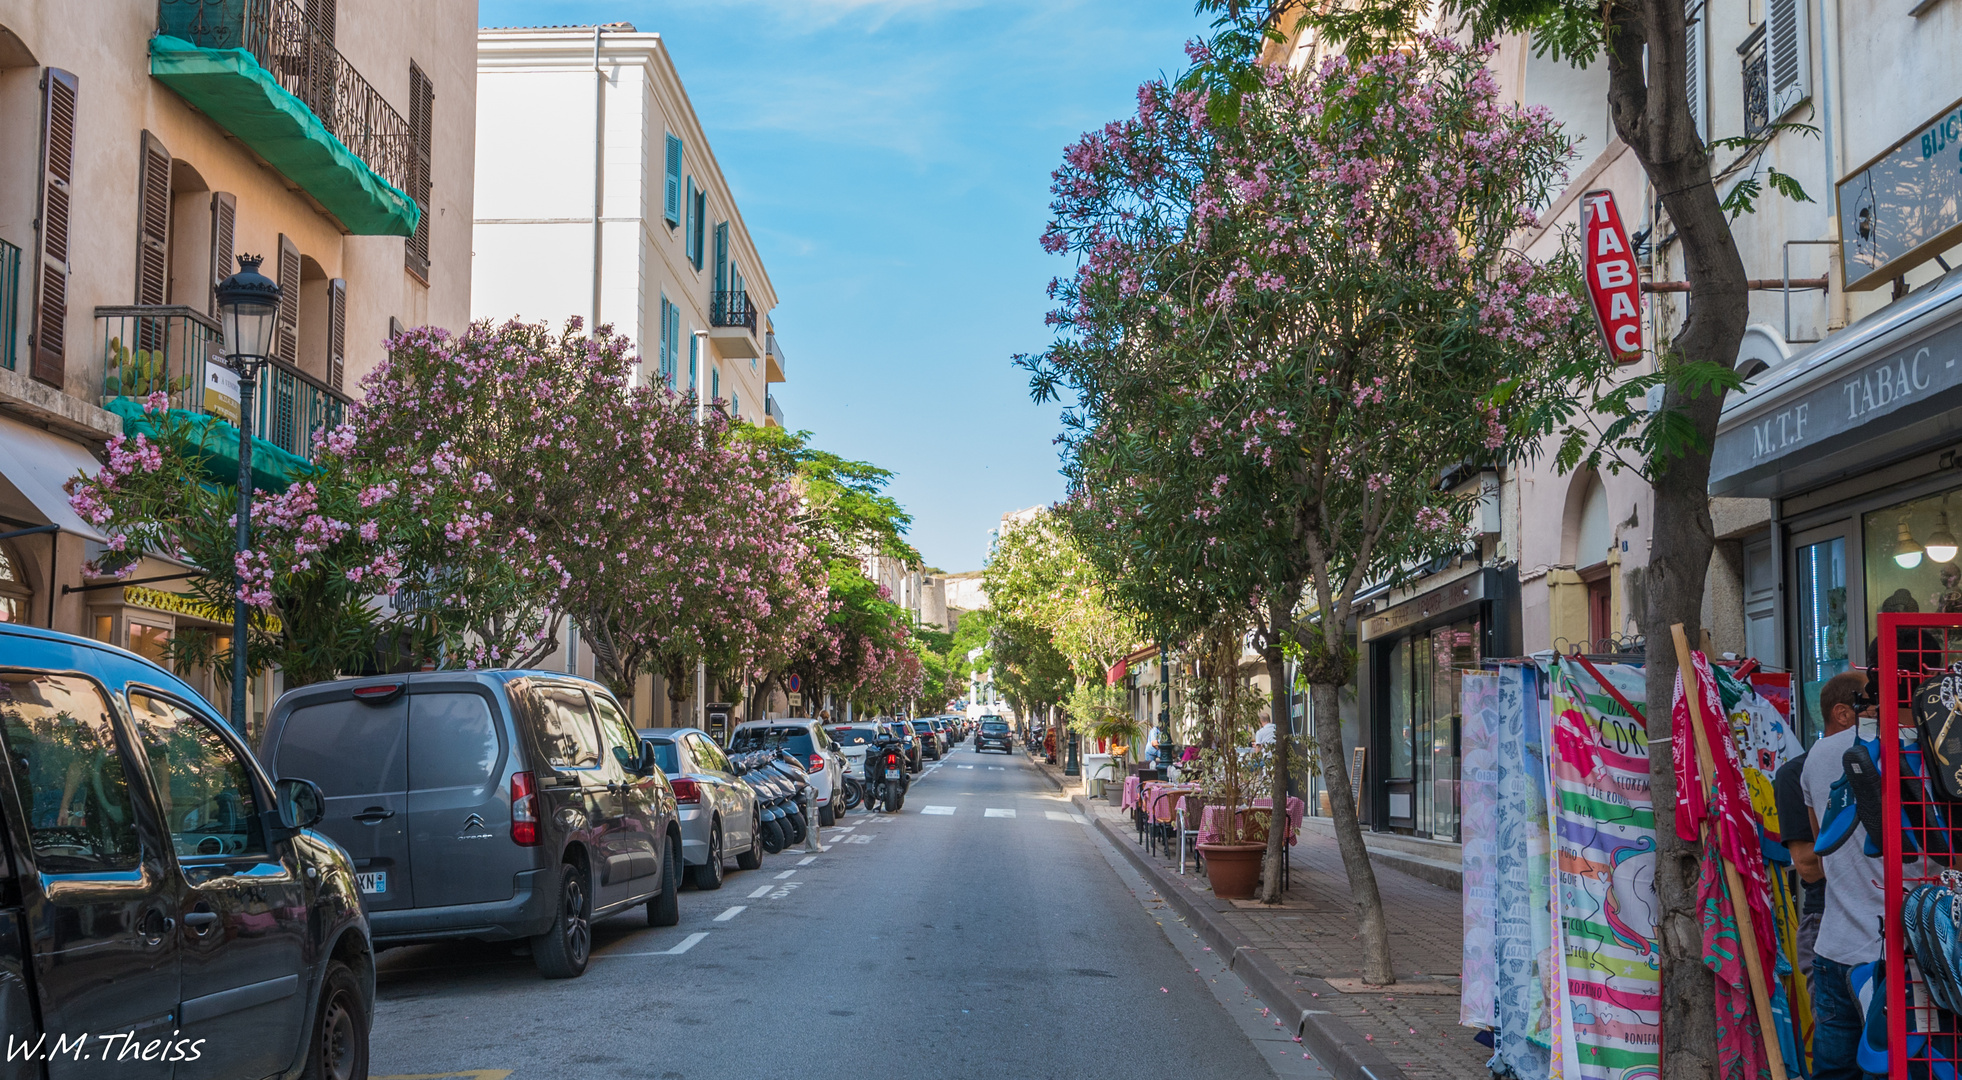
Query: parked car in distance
point(945, 726)
point(994, 732)
point(915, 754)
point(493, 804)
point(805, 738)
point(194, 911)
point(853, 741)
point(717, 810)
point(930, 744)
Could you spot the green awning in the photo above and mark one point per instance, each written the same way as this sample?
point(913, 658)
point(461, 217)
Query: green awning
point(246, 100)
point(273, 469)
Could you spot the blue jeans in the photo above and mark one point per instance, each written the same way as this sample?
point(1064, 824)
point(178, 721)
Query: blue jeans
point(1836, 1034)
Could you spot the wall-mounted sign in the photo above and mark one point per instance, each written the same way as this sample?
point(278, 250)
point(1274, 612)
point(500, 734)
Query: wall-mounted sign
point(220, 391)
point(1609, 263)
point(1905, 206)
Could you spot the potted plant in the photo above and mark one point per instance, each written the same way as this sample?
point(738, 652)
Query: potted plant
point(1227, 708)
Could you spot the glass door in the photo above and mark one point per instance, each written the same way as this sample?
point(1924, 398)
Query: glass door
point(1820, 588)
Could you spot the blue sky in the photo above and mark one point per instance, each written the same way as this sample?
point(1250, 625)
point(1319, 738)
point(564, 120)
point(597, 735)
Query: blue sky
point(892, 161)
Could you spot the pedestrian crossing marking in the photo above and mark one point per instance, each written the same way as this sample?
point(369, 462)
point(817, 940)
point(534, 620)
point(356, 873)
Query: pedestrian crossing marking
point(991, 812)
point(1058, 815)
point(942, 810)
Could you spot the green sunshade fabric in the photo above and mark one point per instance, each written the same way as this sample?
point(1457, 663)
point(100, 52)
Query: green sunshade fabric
point(246, 100)
point(273, 469)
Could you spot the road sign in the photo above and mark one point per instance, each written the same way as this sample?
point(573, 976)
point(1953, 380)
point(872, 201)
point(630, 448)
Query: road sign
point(796, 684)
point(1609, 263)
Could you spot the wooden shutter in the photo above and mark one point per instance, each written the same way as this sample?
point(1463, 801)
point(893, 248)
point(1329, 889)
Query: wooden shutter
point(701, 223)
point(59, 92)
point(1788, 63)
point(674, 338)
point(337, 334)
point(673, 206)
point(286, 335)
point(422, 101)
point(662, 362)
point(722, 257)
point(153, 224)
point(224, 226)
point(1695, 63)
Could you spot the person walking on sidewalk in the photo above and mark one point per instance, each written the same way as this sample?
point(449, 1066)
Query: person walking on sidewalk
point(1849, 928)
point(1795, 831)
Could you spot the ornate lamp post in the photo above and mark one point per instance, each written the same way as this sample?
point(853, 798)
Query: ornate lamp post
point(248, 307)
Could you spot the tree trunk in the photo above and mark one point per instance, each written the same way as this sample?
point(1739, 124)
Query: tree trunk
point(1646, 98)
point(1277, 821)
point(1377, 967)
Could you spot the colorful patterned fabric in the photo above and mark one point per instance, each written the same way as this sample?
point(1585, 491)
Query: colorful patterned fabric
point(1740, 1049)
point(1479, 705)
point(1725, 805)
point(1604, 826)
point(1522, 932)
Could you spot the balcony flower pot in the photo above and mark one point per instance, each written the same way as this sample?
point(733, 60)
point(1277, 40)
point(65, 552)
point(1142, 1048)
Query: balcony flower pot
point(1233, 869)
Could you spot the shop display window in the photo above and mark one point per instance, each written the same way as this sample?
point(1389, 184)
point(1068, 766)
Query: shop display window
point(1423, 738)
point(1821, 573)
point(1911, 563)
point(152, 643)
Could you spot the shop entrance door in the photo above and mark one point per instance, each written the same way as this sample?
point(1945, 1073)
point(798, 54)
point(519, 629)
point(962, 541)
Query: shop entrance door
point(1824, 592)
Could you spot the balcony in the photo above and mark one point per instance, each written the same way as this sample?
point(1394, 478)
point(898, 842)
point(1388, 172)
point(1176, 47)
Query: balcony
point(732, 324)
point(1757, 86)
point(773, 357)
point(179, 351)
point(268, 75)
point(772, 412)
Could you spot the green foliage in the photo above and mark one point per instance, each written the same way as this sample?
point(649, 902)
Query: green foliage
point(142, 372)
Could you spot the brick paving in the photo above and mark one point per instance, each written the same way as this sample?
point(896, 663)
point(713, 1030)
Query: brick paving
point(1314, 935)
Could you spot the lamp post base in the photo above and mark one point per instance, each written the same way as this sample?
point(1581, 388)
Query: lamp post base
point(1072, 767)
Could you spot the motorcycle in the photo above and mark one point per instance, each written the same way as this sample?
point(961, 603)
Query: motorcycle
point(779, 784)
point(885, 776)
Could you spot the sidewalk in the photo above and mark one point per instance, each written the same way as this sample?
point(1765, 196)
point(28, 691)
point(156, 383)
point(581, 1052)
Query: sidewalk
point(1287, 953)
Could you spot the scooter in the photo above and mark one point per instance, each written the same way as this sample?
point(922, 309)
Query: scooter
point(885, 776)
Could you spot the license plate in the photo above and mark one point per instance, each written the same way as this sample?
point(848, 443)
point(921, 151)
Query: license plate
point(370, 884)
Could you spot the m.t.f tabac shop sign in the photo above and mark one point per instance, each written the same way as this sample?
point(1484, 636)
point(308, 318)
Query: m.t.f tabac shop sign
point(1905, 206)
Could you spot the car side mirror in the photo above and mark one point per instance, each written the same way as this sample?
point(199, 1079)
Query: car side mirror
point(301, 805)
point(641, 765)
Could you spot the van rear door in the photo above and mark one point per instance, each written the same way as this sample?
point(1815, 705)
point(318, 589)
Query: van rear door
point(356, 749)
point(459, 805)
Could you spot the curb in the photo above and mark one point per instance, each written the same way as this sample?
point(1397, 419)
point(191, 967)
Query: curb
point(1343, 1052)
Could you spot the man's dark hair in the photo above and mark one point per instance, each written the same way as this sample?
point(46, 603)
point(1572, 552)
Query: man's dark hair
point(1844, 688)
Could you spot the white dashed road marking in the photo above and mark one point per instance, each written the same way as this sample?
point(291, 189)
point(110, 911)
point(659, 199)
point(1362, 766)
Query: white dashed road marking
point(764, 891)
point(963, 766)
point(731, 913)
point(994, 768)
point(998, 813)
point(936, 810)
point(785, 874)
point(807, 860)
point(683, 946)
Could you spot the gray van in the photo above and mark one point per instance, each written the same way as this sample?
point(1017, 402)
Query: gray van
point(495, 805)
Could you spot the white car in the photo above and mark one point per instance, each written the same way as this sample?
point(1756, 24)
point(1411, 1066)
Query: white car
point(821, 757)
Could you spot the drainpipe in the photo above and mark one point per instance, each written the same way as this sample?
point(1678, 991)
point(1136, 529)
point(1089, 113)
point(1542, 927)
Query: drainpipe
point(1836, 314)
point(599, 172)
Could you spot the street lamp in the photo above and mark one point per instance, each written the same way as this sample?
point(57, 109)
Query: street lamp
point(248, 308)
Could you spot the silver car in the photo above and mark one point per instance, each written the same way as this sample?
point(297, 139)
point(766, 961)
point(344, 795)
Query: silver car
point(717, 809)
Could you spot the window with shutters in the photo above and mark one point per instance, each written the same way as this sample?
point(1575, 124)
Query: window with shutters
point(673, 358)
point(422, 101)
point(671, 208)
point(690, 223)
point(701, 227)
point(337, 334)
point(286, 328)
point(59, 93)
point(1696, 75)
point(224, 227)
point(667, 310)
point(1788, 57)
point(153, 226)
point(694, 359)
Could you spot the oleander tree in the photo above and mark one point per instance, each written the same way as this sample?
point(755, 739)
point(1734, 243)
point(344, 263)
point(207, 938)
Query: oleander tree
point(1289, 318)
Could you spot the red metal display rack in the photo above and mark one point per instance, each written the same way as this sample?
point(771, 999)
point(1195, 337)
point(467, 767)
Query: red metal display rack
point(1912, 648)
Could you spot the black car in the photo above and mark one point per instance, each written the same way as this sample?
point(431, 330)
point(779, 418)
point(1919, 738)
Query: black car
point(994, 732)
point(158, 891)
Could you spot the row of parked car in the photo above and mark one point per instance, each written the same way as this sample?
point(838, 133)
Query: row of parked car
point(163, 882)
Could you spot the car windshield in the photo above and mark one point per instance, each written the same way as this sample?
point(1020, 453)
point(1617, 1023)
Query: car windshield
point(797, 740)
point(854, 736)
point(994, 725)
point(664, 756)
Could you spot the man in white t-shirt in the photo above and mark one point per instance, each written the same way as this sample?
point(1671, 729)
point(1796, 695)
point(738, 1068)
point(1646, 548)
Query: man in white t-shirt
point(1849, 932)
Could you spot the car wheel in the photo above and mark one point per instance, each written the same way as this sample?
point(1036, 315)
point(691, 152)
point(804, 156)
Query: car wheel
point(753, 858)
point(665, 909)
point(827, 817)
point(338, 1047)
point(708, 876)
point(562, 951)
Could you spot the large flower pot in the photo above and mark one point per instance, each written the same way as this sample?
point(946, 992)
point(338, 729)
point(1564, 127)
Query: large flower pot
point(1233, 869)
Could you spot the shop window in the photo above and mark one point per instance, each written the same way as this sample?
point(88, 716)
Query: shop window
point(1911, 562)
point(14, 594)
point(152, 643)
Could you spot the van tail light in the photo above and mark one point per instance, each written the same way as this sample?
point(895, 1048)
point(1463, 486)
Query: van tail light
point(686, 792)
point(524, 810)
point(817, 762)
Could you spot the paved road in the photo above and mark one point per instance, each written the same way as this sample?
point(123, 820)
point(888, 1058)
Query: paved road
point(984, 932)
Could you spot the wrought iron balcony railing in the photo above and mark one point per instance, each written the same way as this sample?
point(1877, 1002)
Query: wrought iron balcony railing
point(733, 309)
point(149, 349)
point(1757, 86)
point(301, 55)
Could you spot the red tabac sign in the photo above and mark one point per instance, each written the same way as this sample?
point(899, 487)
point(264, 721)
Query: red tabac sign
point(1609, 263)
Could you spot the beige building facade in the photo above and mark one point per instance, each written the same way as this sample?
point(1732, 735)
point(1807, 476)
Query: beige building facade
point(148, 144)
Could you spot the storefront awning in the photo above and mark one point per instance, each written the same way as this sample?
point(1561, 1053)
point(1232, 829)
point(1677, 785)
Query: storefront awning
point(1882, 389)
point(36, 463)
